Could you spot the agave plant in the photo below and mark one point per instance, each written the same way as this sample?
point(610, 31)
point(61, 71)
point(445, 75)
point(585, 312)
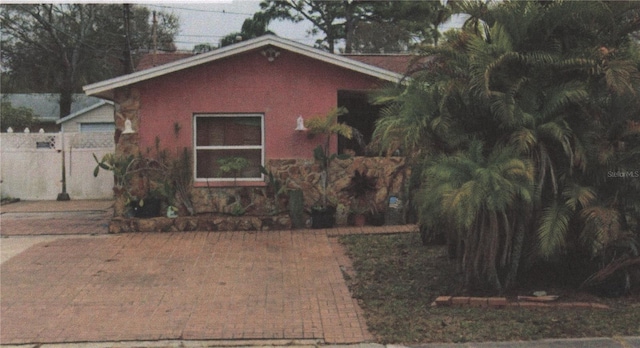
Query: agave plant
point(360, 188)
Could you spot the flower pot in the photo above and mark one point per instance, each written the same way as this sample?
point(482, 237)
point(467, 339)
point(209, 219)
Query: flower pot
point(150, 208)
point(323, 218)
point(359, 220)
point(376, 219)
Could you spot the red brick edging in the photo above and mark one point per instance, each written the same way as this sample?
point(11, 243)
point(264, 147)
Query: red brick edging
point(502, 302)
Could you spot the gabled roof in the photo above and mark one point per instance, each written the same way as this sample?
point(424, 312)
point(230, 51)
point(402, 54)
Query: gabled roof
point(400, 63)
point(152, 60)
point(46, 106)
point(105, 89)
point(84, 111)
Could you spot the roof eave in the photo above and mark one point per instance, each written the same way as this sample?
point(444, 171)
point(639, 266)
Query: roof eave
point(105, 89)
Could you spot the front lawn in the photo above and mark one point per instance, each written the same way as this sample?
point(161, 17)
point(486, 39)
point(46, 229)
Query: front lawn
point(397, 279)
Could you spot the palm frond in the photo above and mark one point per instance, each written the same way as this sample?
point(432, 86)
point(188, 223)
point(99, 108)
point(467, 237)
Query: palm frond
point(552, 231)
point(601, 227)
point(328, 123)
point(619, 76)
point(632, 128)
point(524, 140)
point(577, 196)
point(563, 96)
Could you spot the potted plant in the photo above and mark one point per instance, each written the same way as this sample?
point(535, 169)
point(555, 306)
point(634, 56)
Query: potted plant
point(276, 186)
point(323, 214)
point(122, 168)
point(134, 196)
point(234, 165)
point(181, 180)
point(148, 206)
point(357, 216)
point(360, 189)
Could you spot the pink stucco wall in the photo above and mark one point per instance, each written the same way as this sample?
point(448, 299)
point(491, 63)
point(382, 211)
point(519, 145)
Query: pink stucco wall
point(282, 90)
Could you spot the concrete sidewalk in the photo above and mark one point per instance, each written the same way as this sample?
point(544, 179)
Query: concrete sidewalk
point(615, 342)
point(32, 222)
point(57, 206)
point(30, 218)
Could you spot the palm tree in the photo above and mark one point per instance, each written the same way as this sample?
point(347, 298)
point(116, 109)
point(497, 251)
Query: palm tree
point(540, 89)
point(557, 83)
point(486, 200)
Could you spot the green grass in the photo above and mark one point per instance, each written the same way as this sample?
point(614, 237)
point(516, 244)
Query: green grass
point(397, 279)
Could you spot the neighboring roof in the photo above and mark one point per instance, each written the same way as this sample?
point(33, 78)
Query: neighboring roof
point(105, 88)
point(84, 111)
point(393, 62)
point(46, 106)
point(160, 58)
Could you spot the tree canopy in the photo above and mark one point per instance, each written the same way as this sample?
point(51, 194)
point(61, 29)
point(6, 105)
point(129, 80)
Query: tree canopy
point(364, 26)
point(17, 118)
point(61, 47)
point(251, 28)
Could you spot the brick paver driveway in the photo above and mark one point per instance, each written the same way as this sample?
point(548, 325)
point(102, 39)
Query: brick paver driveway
point(187, 285)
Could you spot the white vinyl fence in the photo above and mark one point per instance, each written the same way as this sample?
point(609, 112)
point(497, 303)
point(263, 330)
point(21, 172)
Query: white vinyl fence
point(31, 165)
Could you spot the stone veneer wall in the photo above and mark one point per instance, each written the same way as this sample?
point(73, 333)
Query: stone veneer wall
point(214, 205)
point(304, 174)
point(209, 222)
point(127, 104)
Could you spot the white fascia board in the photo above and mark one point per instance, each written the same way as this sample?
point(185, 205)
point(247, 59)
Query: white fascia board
point(105, 88)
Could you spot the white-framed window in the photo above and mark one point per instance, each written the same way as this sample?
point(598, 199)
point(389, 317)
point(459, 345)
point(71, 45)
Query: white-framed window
point(225, 136)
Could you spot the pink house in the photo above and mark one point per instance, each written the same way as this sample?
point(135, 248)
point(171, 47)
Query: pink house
point(242, 100)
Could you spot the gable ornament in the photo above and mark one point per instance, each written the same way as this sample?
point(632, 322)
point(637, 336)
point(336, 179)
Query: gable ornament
point(271, 54)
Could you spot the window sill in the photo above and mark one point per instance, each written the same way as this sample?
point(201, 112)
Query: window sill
point(238, 183)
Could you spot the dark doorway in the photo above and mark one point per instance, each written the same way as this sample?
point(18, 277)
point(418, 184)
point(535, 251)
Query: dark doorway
point(362, 116)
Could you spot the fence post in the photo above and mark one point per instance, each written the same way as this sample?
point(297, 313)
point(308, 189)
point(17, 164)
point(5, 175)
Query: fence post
point(63, 196)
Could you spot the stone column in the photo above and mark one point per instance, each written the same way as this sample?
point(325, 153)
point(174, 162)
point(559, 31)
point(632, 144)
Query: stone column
point(127, 105)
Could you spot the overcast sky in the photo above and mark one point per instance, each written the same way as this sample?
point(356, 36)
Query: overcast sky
point(208, 22)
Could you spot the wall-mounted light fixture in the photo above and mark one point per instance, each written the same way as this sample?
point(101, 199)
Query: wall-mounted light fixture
point(300, 124)
point(127, 127)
